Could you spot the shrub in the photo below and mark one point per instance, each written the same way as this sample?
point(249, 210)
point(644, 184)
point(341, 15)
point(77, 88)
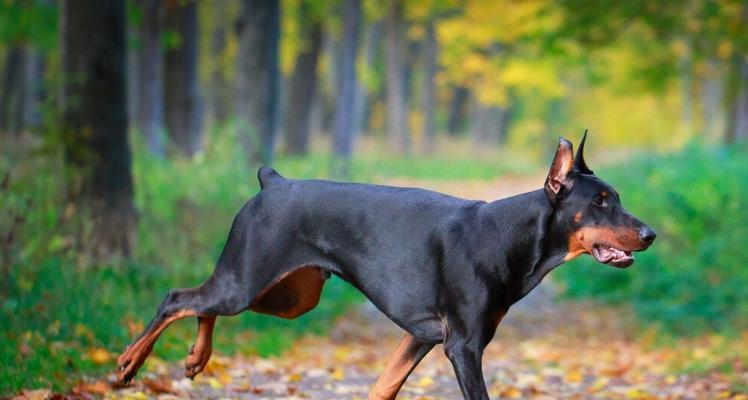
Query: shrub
point(695, 276)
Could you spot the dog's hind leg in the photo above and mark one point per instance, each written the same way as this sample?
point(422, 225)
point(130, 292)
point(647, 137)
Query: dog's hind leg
point(205, 302)
point(408, 354)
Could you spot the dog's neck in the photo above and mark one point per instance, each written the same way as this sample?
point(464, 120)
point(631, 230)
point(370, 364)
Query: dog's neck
point(538, 244)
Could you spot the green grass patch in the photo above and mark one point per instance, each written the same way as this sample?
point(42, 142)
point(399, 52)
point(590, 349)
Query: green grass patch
point(63, 318)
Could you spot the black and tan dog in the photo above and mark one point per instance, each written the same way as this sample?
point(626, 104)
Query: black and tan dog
point(444, 269)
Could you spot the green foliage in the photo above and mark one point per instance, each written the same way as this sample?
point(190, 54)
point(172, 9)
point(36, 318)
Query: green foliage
point(694, 277)
point(33, 21)
point(62, 317)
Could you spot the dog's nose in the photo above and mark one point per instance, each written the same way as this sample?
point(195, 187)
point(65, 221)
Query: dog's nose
point(647, 235)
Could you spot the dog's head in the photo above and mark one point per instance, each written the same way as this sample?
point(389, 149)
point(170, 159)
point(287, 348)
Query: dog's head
point(588, 211)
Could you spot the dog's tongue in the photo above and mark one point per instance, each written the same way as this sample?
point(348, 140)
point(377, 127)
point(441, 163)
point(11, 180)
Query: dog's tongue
point(612, 256)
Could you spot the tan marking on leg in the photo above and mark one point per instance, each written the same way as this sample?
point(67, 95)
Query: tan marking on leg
point(291, 294)
point(401, 363)
point(202, 349)
point(135, 354)
point(578, 217)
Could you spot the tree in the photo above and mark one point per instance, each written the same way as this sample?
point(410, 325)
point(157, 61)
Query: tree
point(258, 76)
point(94, 116)
point(712, 31)
point(430, 52)
point(303, 81)
point(346, 96)
point(397, 118)
point(182, 92)
point(457, 109)
point(221, 89)
point(737, 127)
point(29, 31)
point(149, 114)
point(11, 97)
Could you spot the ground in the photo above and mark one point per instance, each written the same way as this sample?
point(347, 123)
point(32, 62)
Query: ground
point(544, 349)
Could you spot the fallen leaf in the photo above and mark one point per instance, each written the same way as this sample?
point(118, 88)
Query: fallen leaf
point(159, 385)
point(338, 374)
point(38, 394)
point(99, 356)
point(425, 381)
point(99, 387)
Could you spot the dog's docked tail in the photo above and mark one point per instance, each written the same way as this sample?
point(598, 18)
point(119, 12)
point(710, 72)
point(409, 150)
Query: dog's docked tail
point(267, 175)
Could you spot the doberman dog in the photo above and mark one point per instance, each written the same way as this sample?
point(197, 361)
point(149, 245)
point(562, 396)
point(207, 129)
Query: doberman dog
point(444, 269)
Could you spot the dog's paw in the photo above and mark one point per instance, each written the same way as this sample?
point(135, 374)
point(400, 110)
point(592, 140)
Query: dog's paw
point(196, 361)
point(130, 361)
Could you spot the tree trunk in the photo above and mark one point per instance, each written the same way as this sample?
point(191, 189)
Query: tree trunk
point(183, 108)
point(346, 96)
point(303, 85)
point(11, 101)
point(222, 89)
point(94, 112)
point(396, 107)
point(686, 80)
point(150, 94)
point(31, 114)
point(365, 95)
point(430, 52)
point(489, 125)
point(711, 94)
point(739, 125)
point(457, 110)
point(258, 76)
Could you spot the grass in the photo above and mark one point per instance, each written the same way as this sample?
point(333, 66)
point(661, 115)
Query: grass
point(63, 318)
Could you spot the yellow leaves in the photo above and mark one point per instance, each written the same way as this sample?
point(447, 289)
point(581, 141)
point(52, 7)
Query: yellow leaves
point(526, 75)
point(599, 384)
point(475, 50)
point(724, 49)
point(425, 381)
point(338, 374)
point(214, 383)
point(136, 395)
point(99, 356)
point(573, 376)
point(510, 392)
point(638, 394)
point(296, 377)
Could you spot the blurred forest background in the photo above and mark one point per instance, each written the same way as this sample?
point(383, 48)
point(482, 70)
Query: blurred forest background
point(131, 132)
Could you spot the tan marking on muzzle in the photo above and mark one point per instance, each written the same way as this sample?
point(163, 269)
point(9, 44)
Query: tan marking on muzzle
point(582, 240)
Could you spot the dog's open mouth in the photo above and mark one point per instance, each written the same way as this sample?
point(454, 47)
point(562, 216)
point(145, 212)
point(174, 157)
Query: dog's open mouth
point(612, 256)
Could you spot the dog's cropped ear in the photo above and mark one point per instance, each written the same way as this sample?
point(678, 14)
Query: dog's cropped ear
point(559, 181)
point(579, 163)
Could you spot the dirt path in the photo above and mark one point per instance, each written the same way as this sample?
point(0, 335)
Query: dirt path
point(545, 349)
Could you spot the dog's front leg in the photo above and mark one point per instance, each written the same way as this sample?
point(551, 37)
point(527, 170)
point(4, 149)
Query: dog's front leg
point(467, 359)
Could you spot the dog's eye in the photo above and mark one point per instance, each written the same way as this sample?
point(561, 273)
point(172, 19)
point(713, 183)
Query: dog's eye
point(600, 201)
